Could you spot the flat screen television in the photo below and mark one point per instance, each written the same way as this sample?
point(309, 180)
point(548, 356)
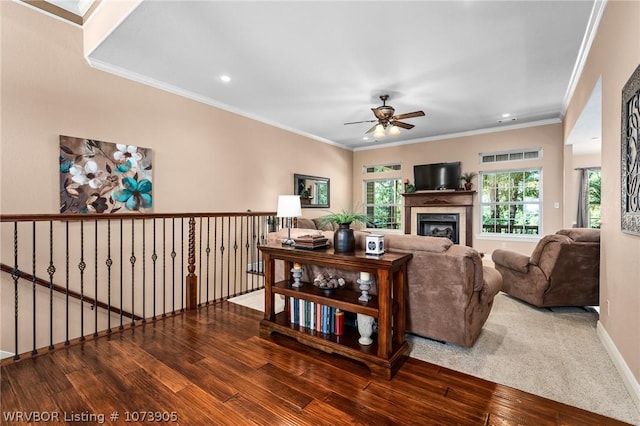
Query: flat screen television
point(437, 176)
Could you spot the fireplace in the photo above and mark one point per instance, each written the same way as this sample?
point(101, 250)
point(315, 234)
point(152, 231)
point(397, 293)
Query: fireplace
point(444, 225)
point(440, 202)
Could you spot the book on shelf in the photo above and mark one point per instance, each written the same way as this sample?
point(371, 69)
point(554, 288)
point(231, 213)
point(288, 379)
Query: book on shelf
point(296, 311)
point(318, 317)
point(312, 315)
point(332, 320)
point(315, 316)
point(324, 319)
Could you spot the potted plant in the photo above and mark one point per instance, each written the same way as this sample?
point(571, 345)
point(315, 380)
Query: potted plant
point(467, 178)
point(343, 239)
point(409, 188)
point(305, 195)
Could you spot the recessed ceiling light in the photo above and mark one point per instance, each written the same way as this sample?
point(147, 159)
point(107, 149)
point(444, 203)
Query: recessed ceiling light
point(366, 138)
point(225, 78)
point(505, 115)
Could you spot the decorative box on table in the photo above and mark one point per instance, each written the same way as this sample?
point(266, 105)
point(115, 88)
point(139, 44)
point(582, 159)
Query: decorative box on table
point(375, 244)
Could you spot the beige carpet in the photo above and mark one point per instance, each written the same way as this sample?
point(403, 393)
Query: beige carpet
point(255, 300)
point(555, 354)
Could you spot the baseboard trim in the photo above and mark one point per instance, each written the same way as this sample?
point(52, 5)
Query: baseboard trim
point(628, 379)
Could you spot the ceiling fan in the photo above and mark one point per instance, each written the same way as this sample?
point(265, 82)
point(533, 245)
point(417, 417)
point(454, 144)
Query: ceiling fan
point(385, 119)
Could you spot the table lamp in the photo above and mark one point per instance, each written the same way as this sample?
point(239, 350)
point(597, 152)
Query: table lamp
point(289, 207)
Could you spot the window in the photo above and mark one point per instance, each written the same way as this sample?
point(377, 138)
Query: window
point(593, 198)
point(511, 202)
point(382, 168)
point(519, 155)
point(383, 202)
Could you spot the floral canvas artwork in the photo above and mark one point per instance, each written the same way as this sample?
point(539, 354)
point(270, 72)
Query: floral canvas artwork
point(104, 177)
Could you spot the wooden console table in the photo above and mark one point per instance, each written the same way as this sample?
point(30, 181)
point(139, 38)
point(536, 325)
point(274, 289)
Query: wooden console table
point(389, 349)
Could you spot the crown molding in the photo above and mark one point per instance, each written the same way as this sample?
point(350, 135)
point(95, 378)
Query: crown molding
point(61, 13)
point(583, 53)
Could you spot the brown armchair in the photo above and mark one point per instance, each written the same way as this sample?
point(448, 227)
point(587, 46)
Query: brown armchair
point(563, 270)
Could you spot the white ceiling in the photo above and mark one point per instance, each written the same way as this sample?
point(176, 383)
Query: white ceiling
point(310, 66)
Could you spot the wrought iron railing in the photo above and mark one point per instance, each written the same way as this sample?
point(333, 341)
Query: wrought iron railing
point(69, 277)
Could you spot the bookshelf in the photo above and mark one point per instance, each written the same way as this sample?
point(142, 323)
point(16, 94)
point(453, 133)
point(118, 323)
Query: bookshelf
point(389, 349)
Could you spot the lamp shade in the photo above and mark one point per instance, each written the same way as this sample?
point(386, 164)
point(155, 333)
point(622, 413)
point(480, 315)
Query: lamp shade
point(394, 130)
point(379, 131)
point(289, 206)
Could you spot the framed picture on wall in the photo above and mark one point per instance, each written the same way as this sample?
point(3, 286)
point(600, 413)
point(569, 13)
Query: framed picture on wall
point(630, 170)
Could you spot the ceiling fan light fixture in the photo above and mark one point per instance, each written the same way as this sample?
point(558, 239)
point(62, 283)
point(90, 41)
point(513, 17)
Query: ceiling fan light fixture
point(387, 122)
point(379, 131)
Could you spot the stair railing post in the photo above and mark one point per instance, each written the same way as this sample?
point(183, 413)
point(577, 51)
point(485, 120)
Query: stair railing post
point(192, 278)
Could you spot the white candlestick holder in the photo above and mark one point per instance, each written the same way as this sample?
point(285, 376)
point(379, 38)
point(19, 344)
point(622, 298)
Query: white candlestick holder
point(297, 274)
point(364, 286)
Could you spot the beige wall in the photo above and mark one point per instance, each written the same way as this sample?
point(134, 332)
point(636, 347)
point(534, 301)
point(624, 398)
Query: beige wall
point(614, 56)
point(205, 159)
point(467, 149)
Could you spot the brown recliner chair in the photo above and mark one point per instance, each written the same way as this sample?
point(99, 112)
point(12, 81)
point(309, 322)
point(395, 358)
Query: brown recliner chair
point(563, 270)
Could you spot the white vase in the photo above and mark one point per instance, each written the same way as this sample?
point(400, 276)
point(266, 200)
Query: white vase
point(365, 328)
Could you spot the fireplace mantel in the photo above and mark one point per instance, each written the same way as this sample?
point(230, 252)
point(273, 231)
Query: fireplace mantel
point(422, 199)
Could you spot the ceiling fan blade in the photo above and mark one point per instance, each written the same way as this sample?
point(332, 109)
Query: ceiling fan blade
point(401, 124)
point(371, 130)
point(358, 122)
point(408, 115)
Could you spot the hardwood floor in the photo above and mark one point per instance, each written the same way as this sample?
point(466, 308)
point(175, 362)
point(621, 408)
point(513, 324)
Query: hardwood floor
point(210, 367)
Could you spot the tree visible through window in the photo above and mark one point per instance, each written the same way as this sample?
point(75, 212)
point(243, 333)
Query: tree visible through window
point(511, 202)
point(594, 198)
point(383, 202)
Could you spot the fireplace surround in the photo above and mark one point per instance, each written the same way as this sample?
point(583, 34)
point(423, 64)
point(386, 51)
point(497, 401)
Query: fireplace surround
point(440, 202)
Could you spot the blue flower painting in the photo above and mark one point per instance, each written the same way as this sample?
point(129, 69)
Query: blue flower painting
point(104, 177)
